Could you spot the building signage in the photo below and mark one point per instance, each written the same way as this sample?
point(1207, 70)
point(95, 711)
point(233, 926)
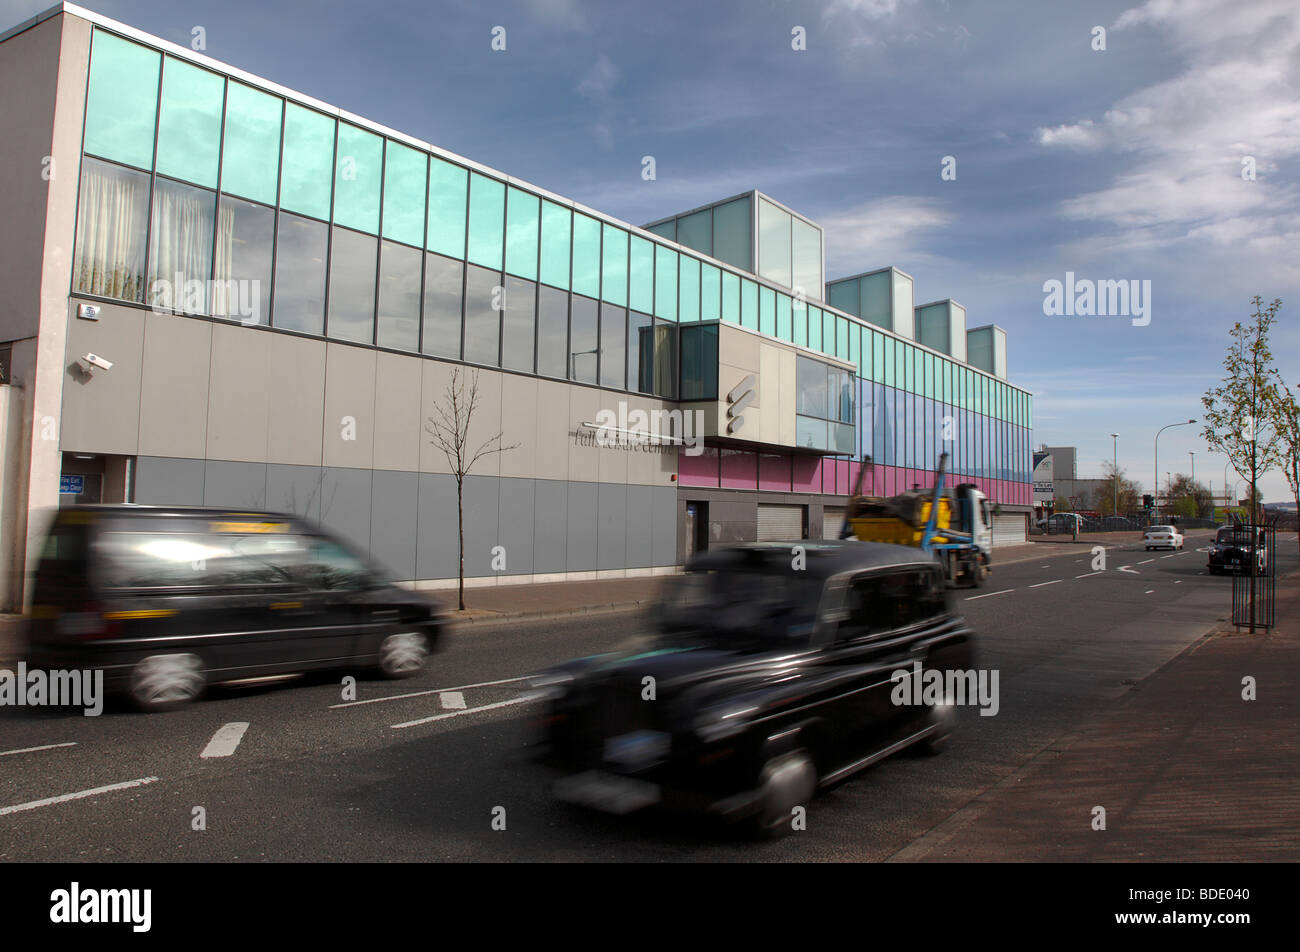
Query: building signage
point(1044, 488)
point(72, 485)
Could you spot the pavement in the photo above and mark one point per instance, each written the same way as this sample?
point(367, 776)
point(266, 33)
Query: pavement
point(1185, 767)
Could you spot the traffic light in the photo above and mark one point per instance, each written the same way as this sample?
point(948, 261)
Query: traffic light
point(1148, 501)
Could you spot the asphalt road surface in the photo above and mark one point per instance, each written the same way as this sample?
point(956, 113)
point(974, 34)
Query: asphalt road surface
point(415, 770)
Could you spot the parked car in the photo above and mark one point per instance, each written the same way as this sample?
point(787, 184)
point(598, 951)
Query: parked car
point(1064, 523)
point(1162, 537)
point(762, 683)
point(1234, 547)
point(169, 600)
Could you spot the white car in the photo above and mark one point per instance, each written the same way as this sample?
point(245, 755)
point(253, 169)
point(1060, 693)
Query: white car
point(1162, 537)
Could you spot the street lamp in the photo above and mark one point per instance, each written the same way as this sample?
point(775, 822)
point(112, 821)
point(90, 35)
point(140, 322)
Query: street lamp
point(1115, 464)
point(1156, 482)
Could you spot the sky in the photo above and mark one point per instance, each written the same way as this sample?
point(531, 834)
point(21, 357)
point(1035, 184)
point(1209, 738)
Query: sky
point(1122, 163)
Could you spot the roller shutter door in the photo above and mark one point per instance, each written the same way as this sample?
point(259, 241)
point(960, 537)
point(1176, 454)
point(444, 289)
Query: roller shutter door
point(832, 522)
point(780, 523)
point(1009, 529)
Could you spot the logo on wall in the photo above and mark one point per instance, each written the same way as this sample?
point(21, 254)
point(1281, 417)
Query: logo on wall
point(741, 396)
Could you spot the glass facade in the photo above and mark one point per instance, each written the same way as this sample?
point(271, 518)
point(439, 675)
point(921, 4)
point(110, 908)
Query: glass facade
point(289, 218)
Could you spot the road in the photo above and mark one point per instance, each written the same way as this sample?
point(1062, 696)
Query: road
point(415, 770)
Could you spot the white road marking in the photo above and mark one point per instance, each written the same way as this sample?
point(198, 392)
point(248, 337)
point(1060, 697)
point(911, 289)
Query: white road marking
point(1178, 581)
point(1148, 560)
point(80, 794)
point(1078, 561)
point(990, 594)
point(1148, 591)
point(1129, 569)
point(1045, 566)
point(1041, 584)
point(31, 750)
point(402, 697)
point(1089, 574)
point(452, 701)
point(472, 710)
point(1170, 556)
point(225, 740)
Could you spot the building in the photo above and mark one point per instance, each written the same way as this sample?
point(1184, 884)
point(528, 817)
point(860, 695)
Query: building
point(225, 292)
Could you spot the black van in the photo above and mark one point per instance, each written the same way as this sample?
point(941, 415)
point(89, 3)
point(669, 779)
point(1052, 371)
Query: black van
point(167, 600)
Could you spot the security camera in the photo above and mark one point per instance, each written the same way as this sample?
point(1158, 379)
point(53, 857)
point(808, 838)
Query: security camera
point(94, 360)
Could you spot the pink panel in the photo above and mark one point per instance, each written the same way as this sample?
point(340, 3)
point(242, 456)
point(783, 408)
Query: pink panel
point(854, 469)
point(807, 474)
point(774, 472)
point(739, 469)
point(699, 470)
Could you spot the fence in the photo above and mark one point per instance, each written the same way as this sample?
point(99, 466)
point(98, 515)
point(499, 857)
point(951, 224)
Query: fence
point(1253, 604)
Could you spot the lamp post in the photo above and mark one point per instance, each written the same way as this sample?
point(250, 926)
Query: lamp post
point(1156, 480)
point(1115, 467)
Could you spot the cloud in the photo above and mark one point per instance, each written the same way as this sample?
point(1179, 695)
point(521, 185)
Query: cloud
point(560, 14)
point(600, 79)
point(882, 231)
point(1185, 138)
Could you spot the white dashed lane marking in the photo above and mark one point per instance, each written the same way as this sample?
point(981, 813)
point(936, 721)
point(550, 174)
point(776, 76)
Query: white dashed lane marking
point(1148, 560)
point(225, 740)
point(472, 710)
point(1041, 584)
point(79, 795)
point(32, 750)
point(972, 598)
point(402, 697)
point(1088, 575)
point(452, 701)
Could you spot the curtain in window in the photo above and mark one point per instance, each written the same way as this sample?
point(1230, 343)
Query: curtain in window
point(109, 258)
point(180, 247)
point(225, 294)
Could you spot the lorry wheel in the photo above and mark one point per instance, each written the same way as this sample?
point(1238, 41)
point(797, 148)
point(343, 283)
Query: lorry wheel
point(165, 682)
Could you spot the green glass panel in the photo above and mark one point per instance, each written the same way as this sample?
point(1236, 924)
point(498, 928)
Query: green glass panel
point(709, 292)
point(861, 340)
point(586, 255)
point(487, 219)
point(665, 283)
point(641, 285)
point(523, 212)
point(767, 311)
point(815, 328)
point(308, 162)
point(877, 357)
point(189, 123)
point(250, 155)
point(730, 297)
point(689, 309)
point(748, 304)
point(784, 330)
point(557, 232)
point(447, 194)
point(889, 361)
point(842, 338)
point(122, 101)
point(357, 174)
point(406, 174)
point(799, 328)
point(828, 333)
point(613, 266)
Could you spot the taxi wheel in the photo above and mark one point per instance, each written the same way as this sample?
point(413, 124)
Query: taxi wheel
point(943, 718)
point(786, 782)
point(166, 682)
point(403, 654)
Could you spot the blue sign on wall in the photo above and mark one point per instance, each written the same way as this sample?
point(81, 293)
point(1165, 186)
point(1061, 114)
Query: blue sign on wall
point(72, 485)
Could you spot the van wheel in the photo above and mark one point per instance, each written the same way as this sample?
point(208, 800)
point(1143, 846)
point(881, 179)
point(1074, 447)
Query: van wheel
point(786, 782)
point(403, 654)
point(165, 682)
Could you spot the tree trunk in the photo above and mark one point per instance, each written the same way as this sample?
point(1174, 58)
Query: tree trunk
point(460, 531)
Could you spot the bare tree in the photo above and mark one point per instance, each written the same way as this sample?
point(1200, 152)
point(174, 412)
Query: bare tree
point(448, 430)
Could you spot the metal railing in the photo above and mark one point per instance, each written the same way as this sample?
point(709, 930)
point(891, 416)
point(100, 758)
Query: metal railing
point(1253, 603)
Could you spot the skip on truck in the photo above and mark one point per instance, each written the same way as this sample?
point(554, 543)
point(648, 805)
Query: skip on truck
point(954, 524)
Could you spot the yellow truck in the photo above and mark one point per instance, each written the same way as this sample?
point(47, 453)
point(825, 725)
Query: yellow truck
point(954, 524)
